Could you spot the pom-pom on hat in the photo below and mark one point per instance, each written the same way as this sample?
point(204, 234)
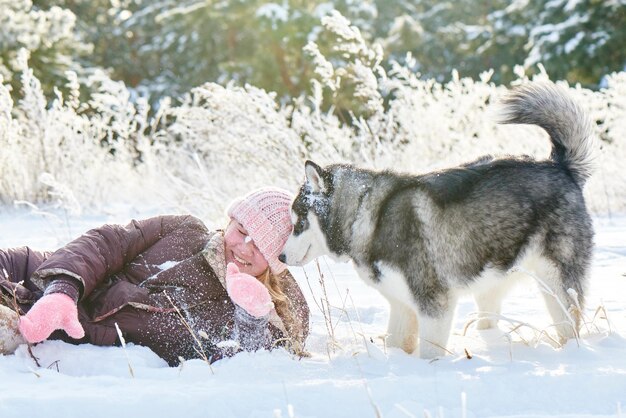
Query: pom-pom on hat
point(265, 213)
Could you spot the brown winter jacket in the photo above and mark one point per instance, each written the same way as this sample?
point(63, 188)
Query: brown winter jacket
point(146, 277)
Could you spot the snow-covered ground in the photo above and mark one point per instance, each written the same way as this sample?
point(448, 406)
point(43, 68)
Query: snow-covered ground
point(494, 373)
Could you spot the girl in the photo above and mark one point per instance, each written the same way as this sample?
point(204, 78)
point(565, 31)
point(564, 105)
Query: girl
point(167, 282)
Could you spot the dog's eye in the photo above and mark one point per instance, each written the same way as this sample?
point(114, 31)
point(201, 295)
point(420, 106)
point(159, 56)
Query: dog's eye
point(300, 225)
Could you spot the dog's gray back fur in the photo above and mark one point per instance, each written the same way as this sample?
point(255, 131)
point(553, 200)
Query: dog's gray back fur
point(444, 229)
point(480, 213)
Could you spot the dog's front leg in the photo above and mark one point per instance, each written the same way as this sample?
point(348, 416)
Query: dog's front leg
point(402, 327)
point(434, 332)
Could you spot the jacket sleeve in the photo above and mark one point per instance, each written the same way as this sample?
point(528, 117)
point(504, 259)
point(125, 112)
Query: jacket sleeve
point(105, 251)
point(16, 268)
point(250, 332)
point(17, 264)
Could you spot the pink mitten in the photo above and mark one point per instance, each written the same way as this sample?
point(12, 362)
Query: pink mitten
point(51, 312)
point(247, 292)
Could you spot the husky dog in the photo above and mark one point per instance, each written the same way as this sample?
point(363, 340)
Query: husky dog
point(421, 240)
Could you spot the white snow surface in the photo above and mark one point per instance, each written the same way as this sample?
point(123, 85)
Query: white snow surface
point(510, 373)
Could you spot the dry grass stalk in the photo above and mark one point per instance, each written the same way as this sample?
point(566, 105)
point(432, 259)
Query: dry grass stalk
point(368, 390)
point(542, 334)
point(199, 349)
point(436, 345)
point(55, 364)
point(601, 309)
point(324, 307)
point(546, 289)
point(362, 333)
point(325, 303)
point(290, 409)
point(344, 311)
point(409, 414)
point(31, 354)
point(12, 304)
point(123, 341)
point(517, 325)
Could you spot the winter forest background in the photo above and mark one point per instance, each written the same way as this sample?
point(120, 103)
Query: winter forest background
point(105, 102)
point(111, 109)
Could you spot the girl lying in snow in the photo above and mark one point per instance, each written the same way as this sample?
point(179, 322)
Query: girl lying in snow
point(167, 282)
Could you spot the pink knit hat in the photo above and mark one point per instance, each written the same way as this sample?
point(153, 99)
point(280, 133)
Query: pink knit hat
point(265, 213)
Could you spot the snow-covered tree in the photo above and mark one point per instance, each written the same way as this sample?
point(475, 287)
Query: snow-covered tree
point(219, 140)
point(577, 40)
point(48, 34)
point(441, 36)
point(173, 46)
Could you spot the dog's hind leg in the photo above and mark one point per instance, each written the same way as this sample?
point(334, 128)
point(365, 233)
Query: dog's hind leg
point(561, 302)
point(402, 327)
point(569, 249)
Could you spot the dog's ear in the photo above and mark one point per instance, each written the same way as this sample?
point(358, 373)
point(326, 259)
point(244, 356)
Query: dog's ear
point(314, 177)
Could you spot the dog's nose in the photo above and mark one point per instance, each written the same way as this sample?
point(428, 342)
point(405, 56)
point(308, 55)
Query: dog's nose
point(282, 258)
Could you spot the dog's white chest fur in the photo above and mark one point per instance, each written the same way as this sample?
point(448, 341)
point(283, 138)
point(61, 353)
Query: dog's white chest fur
point(392, 284)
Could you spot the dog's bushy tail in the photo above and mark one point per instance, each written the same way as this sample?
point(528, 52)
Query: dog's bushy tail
point(546, 105)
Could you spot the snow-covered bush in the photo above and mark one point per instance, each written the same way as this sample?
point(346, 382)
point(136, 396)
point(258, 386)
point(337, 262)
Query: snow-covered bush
point(219, 142)
point(426, 124)
point(49, 148)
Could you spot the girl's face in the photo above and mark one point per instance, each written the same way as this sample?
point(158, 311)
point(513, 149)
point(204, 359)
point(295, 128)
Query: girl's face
point(241, 250)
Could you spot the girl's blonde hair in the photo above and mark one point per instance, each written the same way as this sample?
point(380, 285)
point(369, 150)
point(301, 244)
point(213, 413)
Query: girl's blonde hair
point(285, 309)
